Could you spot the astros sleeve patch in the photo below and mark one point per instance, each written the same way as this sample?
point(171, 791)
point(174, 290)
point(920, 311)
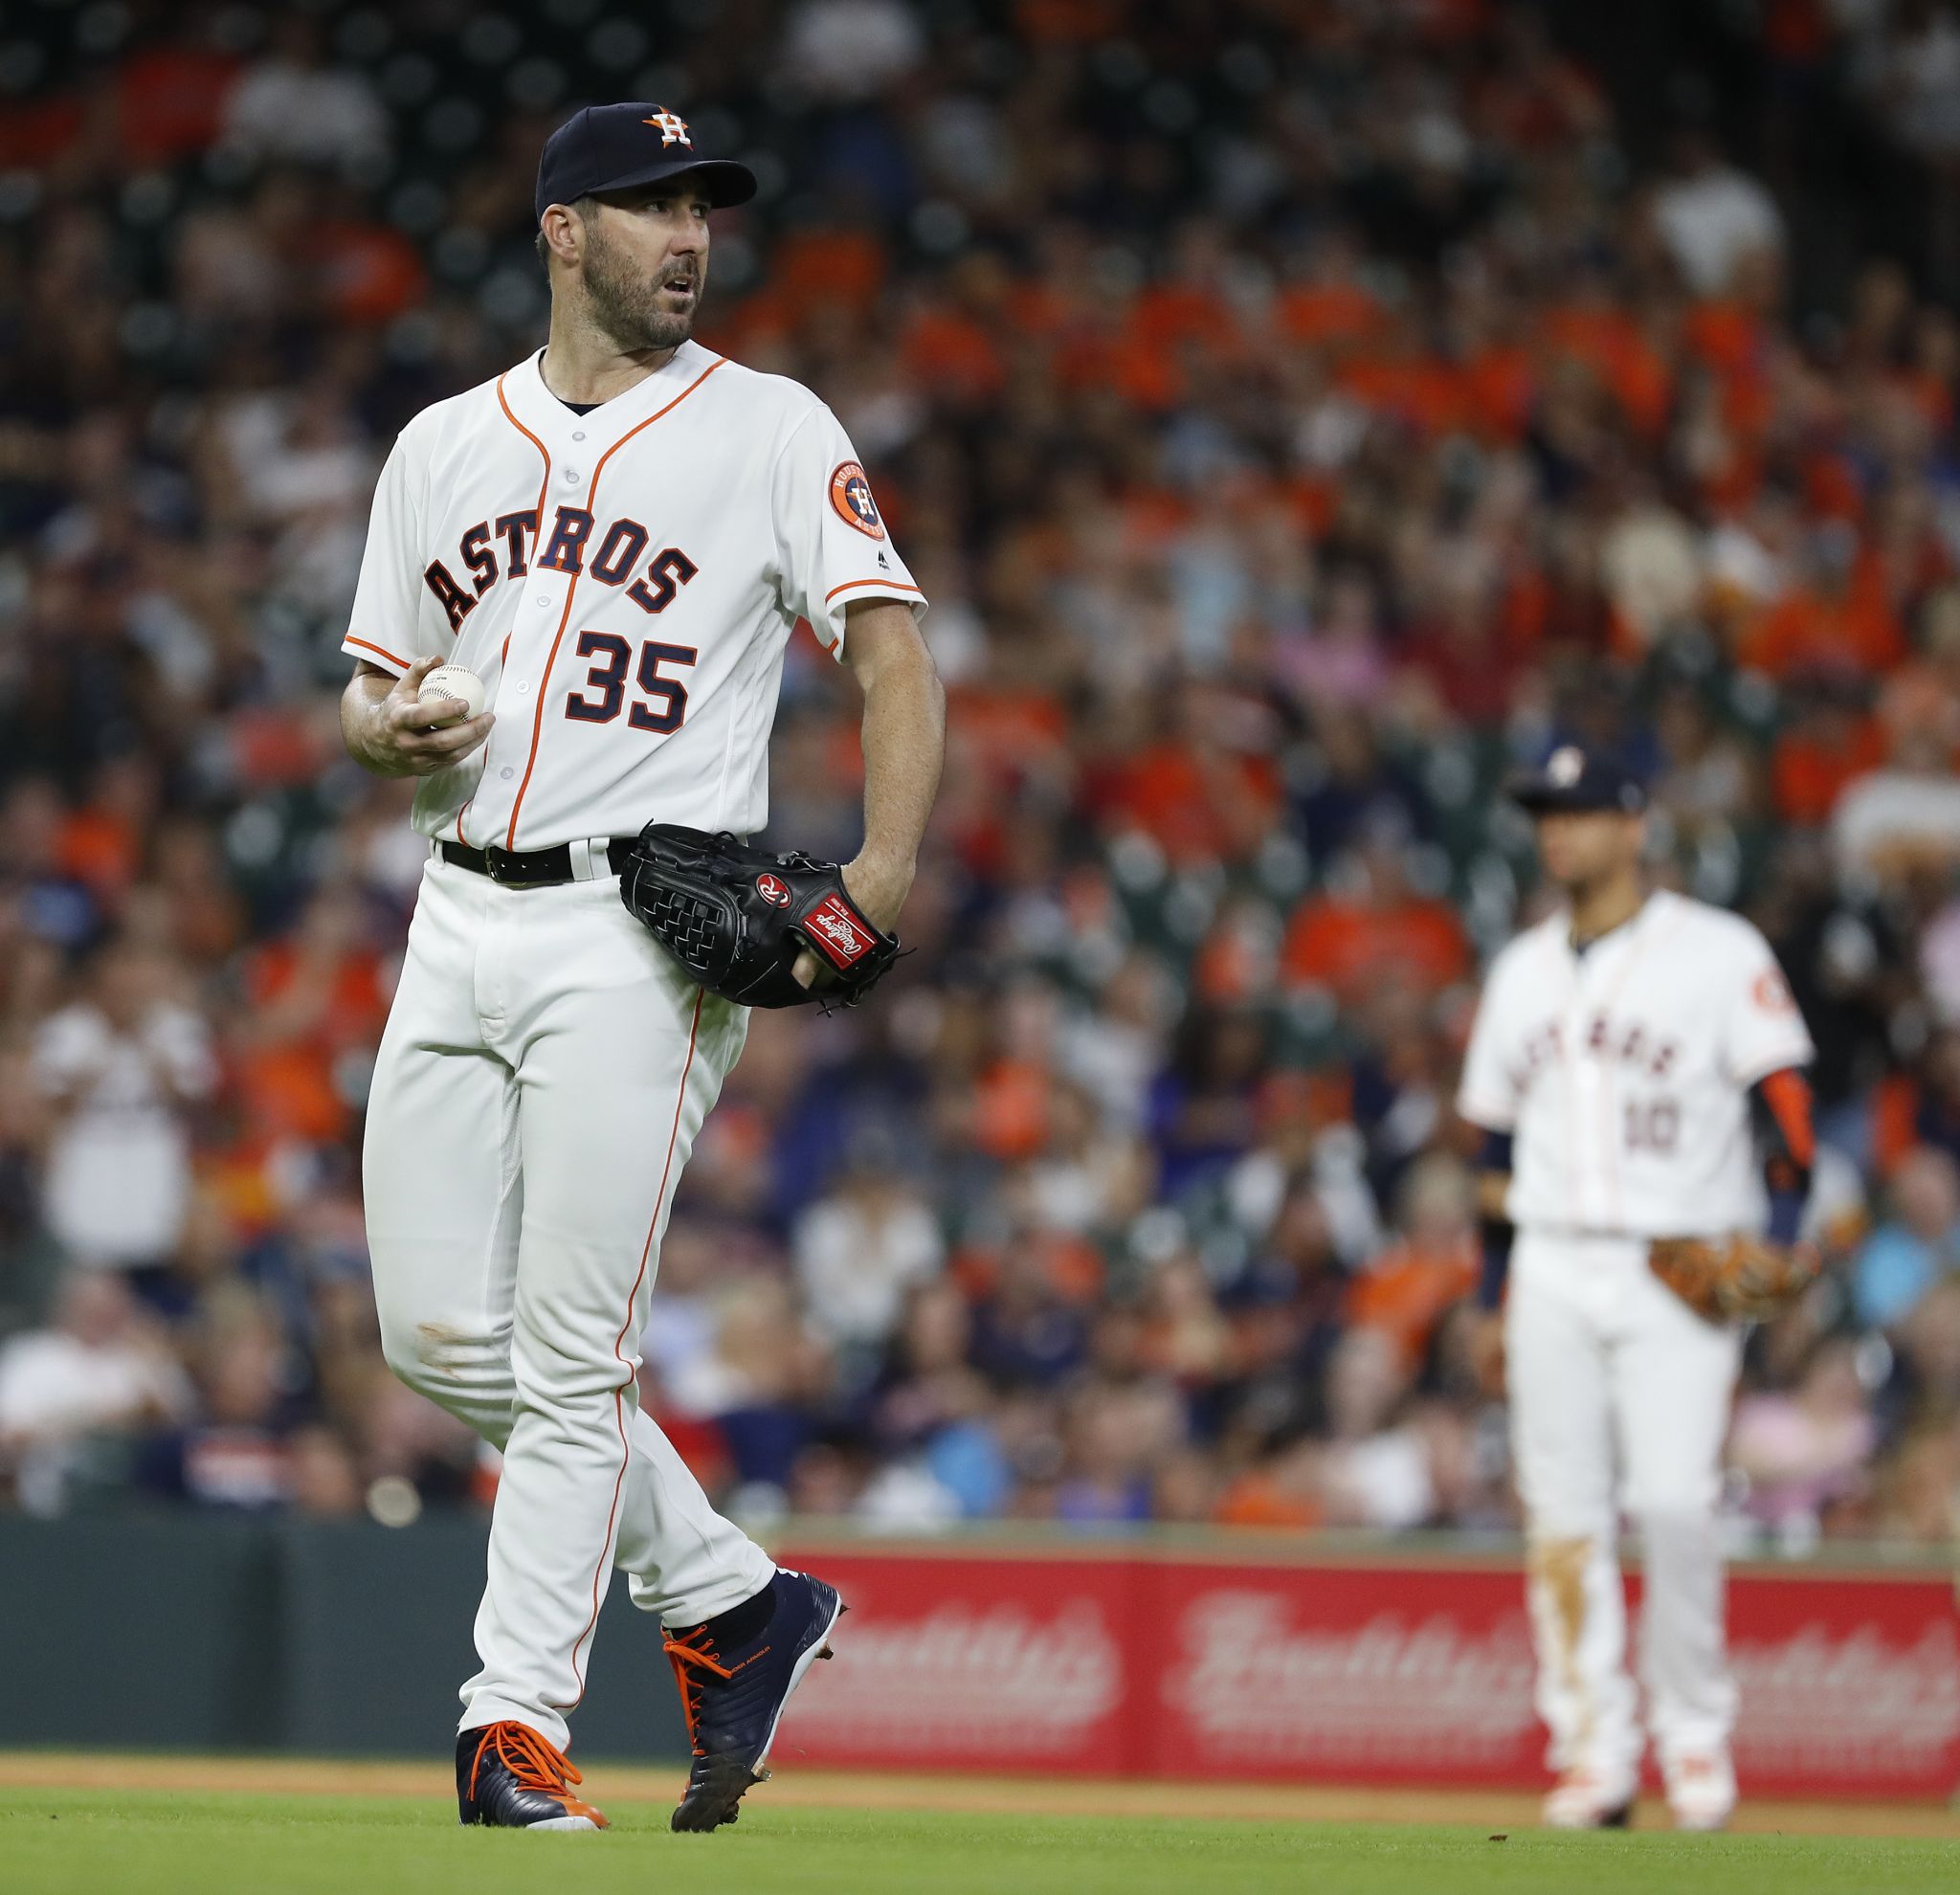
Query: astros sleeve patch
point(851, 496)
point(834, 547)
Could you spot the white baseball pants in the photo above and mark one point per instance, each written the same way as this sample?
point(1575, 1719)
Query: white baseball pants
point(1619, 1398)
point(545, 1070)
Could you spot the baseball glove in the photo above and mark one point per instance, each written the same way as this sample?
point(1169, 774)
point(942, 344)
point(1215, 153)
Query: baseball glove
point(1736, 1277)
point(736, 918)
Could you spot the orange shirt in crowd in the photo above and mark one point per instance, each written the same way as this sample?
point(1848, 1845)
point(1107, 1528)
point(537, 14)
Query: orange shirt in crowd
point(1420, 391)
point(946, 351)
point(1014, 727)
point(1831, 489)
point(99, 848)
point(170, 101)
point(1011, 1109)
point(1610, 342)
point(1807, 772)
point(1500, 390)
point(1344, 945)
point(1806, 629)
point(1067, 22)
point(370, 273)
point(829, 268)
point(1256, 1498)
point(1170, 314)
point(289, 1082)
point(1727, 335)
point(1896, 1101)
point(1406, 1290)
point(1197, 808)
point(1932, 396)
point(1313, 314)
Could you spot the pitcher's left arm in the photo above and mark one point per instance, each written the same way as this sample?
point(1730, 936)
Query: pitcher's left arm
point(1780, 1110)
point(903, 738)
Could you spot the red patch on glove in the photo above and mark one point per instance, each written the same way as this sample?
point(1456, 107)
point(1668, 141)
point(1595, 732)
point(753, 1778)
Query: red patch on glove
point(837, 934)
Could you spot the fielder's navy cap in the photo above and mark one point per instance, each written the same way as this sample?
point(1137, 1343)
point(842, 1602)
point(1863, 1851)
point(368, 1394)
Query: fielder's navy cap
point(614, 147)
point(1576, 780)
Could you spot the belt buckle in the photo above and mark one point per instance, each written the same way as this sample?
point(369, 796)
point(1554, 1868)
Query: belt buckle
point(494, 861)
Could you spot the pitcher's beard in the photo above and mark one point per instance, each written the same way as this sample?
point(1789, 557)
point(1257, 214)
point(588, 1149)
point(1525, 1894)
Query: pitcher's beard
point(627, 306)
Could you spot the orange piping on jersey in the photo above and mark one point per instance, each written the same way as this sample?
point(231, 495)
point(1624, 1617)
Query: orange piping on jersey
point(890, 586)
point(571, 591)
point(619, 1349)
point(1610, 1092)
point(365, 646)
point(544, 452)
point(544, 489)
point(1788, 1097)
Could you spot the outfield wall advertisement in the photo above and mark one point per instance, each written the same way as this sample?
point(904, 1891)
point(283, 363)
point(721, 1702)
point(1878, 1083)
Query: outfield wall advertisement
point(1387, 1673)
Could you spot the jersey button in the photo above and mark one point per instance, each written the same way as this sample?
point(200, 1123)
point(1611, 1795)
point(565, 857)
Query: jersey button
point(506, 772)
point(544, 598)
point(578, 434)
point(524, 684)
point(571, 477)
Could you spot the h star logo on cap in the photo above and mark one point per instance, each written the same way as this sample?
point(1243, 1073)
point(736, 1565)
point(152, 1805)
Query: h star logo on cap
point(673, 131)
point(1567, 767)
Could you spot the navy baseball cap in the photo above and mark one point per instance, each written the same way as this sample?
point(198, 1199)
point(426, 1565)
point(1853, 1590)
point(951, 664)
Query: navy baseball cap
point(614, 147)
point(1574, 780)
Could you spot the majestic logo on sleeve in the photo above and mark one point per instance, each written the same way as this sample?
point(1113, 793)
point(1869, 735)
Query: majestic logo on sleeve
point(672, 130)
point(851, 496)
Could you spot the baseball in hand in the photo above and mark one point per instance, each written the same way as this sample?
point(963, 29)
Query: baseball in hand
point(453, 681)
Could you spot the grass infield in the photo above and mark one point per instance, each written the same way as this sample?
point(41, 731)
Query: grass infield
point(54, 1841)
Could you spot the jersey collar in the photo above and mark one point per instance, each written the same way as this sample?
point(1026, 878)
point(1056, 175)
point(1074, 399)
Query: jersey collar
point(554, 424)
point(1622, 931)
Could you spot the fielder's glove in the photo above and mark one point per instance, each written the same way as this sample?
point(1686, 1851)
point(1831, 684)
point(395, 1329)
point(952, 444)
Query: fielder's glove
point(736, 918)
point(1735, 1278)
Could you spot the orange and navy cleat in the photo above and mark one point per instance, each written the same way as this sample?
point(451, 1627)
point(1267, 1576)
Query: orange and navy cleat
point(509, 1777)
point(733, 1689)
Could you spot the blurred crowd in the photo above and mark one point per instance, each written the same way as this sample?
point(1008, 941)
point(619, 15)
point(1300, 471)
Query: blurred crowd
point(1300, 413)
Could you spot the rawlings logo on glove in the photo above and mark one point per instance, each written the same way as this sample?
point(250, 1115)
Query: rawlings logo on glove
point(1734, 1278)
point(839, 934)
point(736, 918)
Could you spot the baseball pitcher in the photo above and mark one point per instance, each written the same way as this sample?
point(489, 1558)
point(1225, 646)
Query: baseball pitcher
point(1633, 1056)
point(609, 546)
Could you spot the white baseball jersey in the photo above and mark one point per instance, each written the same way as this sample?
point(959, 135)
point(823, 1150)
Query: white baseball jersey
point(1623, 1072)
point(625, 583)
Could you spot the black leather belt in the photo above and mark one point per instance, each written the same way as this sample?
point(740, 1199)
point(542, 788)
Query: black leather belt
point(529, 867)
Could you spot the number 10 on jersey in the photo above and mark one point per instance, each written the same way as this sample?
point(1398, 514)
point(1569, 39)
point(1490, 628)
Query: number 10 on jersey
point(1652, 1125)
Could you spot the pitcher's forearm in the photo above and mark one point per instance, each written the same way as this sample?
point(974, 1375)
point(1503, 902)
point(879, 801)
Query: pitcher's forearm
point(904, 748)
point(903, 739)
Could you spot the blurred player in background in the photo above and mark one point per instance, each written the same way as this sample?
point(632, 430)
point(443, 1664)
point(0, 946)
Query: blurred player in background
point(1629, 1052)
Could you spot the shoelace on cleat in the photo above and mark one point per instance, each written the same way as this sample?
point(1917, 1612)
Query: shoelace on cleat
point(532, 1762)
point(697, 1651)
